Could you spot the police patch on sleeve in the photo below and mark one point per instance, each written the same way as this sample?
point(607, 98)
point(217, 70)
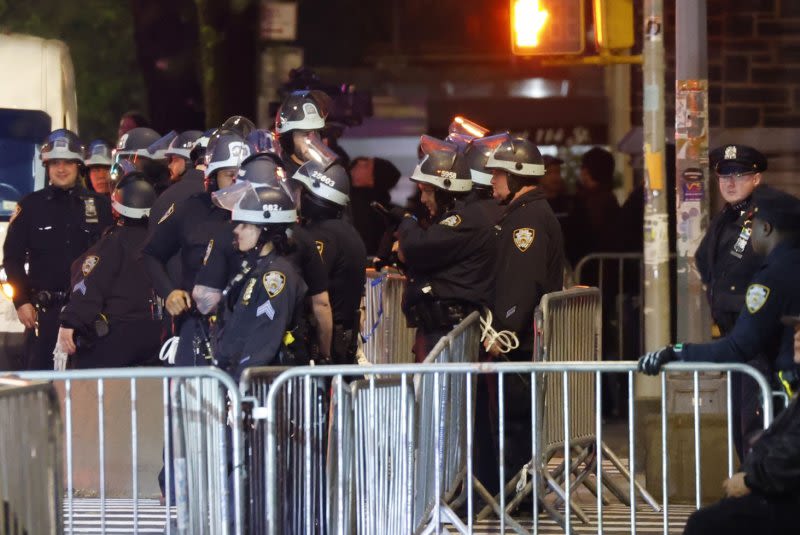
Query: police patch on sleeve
point(208, 251)
point(452, 221)
point(89, 264)
point(757, 295)
point(274, 281)
point(523, 238)
point(320, 246)
point(168, 213)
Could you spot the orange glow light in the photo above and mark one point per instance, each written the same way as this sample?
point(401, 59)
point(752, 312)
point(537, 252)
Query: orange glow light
point(529, 21)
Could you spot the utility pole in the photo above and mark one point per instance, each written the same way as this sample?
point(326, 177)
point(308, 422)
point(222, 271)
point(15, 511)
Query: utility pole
point(656, 225)
point(691, 164)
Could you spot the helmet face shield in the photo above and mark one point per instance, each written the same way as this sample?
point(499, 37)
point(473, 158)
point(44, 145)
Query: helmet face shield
point(228, 198)
point(463, 128)
point(429, 144)
point(158, 149)
point(312, 149)
point(98, 153)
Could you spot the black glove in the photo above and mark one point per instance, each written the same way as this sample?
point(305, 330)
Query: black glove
point(651, 363)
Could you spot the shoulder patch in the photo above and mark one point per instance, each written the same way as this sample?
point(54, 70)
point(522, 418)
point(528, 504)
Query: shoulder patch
point(208, 251)
point(168, 213)
point(523, 238)
point(89, 264)
point(756, 297)
point(452, 221)
point(17, 211)
point(274, 282)
point(320, 246)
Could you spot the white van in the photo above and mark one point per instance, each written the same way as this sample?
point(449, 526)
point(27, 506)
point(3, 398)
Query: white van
point(37, 97)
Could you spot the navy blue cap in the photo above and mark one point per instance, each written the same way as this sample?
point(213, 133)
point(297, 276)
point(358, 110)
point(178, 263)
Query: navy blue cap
point(777, 207)
point(730, 159)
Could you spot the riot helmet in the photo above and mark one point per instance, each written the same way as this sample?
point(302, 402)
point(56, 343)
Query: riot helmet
point(519, 158)
point(226, 150)
point(476, 155)
point(135, 142)
point(198, 153)
point(326, 190)
point(62, 144)
point(260, 170)
point(98, 153)
point(181, 146)
point(133, 196)
point(302, 110)
point(120, 169)
point(261, 204)
point(263, 142)
point(445, 170)
point(157, 150)
point(239, 124)
point(461, 131)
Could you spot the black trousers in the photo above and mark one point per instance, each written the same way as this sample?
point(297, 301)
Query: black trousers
point(39, 348)
point(748, 515)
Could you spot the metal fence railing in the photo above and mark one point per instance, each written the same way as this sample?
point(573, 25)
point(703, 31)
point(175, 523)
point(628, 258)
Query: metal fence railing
point(391, 479)
point(201, 422)
point(388, 339)
point(30, 458)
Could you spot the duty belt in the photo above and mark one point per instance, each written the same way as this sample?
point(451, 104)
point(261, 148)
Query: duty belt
point(436, 314)
point(46, 299)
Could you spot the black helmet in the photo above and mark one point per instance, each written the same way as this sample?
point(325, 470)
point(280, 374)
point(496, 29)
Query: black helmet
point(476, 155)
point(518, 156)
point(264, 205)
point(260, 170)
point(226, 148)
point(302, 110)
point(62, 144)
point(263, 142)
point(98, 154)
point(158, 149)
point(445, 170)
point(133, 196)
point(120, 169)
point(134, 142)
point(183, 144)
point(198, 153)
point(328, 184)
point(239, 124)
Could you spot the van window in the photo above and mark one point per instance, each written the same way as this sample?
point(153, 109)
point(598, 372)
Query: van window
point(21, 133)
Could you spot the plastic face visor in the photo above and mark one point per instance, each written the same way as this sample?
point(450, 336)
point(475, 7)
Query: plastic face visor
point(230, 197)
point(158, 148)
point(463, 127)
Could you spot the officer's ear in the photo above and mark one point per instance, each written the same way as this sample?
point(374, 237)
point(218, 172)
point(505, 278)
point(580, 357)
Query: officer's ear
point(756, 179)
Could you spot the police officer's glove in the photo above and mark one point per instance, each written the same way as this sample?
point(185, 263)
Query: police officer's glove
point(651, 363)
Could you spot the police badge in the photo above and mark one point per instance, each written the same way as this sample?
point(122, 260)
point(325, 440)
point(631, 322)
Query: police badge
point(452, 221)
point(89, 264)
point(523, 238)
point(274, 281)
point(756, 297)
point(730, 152)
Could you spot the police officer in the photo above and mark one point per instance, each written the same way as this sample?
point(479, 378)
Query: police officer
point(300, 117)
point(450, 263)
point(725, 258)
point(188, 229)
point(178, 152)
point(49, 230)
point(262, 304)
point(773, 292)
point(530, 263)
point(324, 196)
point(530, 247)
point(108, 321)
point(144, 148)
point(98, 163)
point(223, 260)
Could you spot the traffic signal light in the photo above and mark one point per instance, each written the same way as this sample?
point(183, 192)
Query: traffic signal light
point(547, 27)
point(613, 24)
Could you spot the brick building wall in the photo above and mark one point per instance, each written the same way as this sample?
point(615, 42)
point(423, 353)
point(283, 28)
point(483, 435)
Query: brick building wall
point(754, 78)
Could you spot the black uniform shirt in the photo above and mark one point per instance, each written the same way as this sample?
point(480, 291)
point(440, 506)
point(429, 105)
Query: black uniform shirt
point(189, 230)
point(190, 184)
point(726, 262)
point(110, 279)
point(345, 258)
point(773, 466)
point(268, 302)
point(455, 255)
point(530, 263)
point(223, 261)
point(50, 229)
point(772, 293)
point(492, 208)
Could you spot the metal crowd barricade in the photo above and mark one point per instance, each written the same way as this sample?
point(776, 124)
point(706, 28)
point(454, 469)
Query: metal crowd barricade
point(388, 339)
point(303, 406)
point(30, 458)
point(444, 518)
point(442, 400)
point(205, 409)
